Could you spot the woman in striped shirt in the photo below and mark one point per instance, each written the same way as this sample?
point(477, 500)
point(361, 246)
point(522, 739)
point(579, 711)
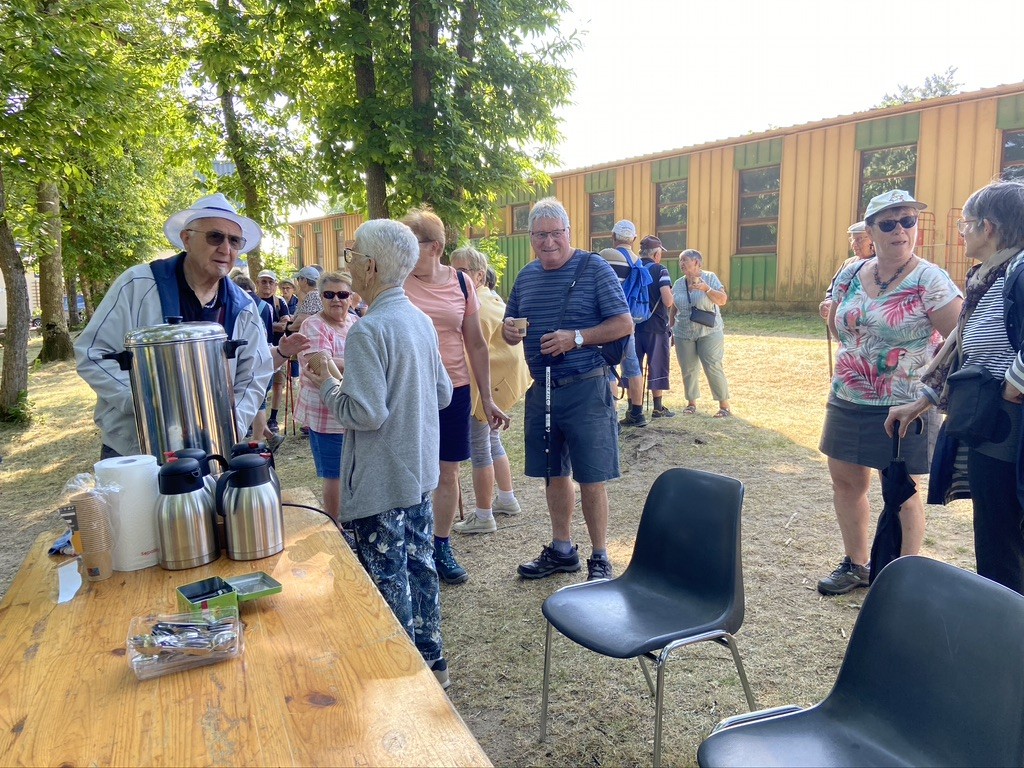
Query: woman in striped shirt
point(992, 228)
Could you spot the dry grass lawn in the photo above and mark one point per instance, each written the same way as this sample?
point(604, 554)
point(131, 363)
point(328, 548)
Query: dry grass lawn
point(792, 640)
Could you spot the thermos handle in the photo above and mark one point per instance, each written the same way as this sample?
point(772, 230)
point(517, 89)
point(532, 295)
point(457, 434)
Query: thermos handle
point(219, 459)
point(232, 345)
point(123, 358)
point(218, 492)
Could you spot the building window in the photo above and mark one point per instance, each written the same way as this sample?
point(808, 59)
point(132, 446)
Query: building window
point(339, 239)
point(477, 233)
point(520, 219)
point(319, 247)
point(670, 220)
point(1013, 156)
point(882, 170)
point(759, 210)
point(602, 217)
point(300, 256)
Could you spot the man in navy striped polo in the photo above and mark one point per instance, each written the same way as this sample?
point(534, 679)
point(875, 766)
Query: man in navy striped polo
point(583, 434)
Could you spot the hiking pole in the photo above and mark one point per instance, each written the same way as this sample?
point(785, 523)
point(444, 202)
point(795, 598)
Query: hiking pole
point(828, 338)
point(647, 392)
point(547, 426)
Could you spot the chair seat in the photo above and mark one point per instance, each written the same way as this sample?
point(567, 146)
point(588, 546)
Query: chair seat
point(622, 619)
point(811, 738)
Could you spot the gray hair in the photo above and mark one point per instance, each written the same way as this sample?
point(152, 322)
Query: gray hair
point(244, 282)
point(392, 245)
point(648, 253)
point(548, 208)
point(475, 260)
point(333, 277)
point(492, 278)
point(1002, 204)
point(692, 255)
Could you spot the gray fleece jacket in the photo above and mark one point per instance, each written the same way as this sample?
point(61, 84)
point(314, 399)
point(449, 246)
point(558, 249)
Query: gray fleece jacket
point(394, 386)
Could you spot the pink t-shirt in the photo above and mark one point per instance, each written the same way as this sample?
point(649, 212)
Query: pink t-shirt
point(446, 306)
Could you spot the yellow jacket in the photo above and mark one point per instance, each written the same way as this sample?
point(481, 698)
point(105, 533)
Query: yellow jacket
point(510, 375)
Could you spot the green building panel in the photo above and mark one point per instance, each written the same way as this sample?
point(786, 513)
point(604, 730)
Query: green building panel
point(753, 277)
point(518, 252)
point(670, 169)
point(1010, 112)
point(758, 154)
point(601, 181)
point(892, 131)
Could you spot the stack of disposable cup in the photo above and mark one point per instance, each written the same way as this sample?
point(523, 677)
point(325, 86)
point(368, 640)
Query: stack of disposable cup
point(96, 535)
point(132, 509)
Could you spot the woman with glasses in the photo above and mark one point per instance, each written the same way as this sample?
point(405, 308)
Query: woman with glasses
point(326, 331)
point(450, 301)
point(889, 314)
point(992, 229)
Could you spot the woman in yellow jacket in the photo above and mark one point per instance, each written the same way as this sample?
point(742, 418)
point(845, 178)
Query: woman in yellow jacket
point(509, 380)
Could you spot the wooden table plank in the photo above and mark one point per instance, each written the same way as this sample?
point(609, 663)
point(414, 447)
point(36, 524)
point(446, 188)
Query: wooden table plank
point(328, 676)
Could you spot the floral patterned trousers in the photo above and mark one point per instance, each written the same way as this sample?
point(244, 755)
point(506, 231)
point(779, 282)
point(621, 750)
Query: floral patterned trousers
point(397, 549)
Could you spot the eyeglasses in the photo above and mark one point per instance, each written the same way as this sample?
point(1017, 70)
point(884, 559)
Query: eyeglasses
point(554, 234)
point(332, 295)
point(215, 238)
point(962, 225)
point(907, 222)
point(426, 242)
point(348, 253)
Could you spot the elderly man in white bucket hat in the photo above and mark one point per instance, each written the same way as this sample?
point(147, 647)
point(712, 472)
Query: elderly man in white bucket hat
point(194, 286)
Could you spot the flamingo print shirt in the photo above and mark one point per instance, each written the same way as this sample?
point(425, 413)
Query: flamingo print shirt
point(883, 342)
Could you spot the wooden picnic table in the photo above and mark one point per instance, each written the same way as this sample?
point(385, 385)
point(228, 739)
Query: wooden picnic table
point(328, 677)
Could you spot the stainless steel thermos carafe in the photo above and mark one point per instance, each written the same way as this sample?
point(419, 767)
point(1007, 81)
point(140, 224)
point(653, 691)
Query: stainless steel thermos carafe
point(249, 498)
point(209, 482)
point(184, 517)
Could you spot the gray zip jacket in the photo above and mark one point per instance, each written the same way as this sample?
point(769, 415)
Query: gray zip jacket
point(394, 386)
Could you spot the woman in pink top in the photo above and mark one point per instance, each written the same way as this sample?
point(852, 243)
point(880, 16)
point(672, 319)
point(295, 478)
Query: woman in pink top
point(326, 331)
point(450, 301)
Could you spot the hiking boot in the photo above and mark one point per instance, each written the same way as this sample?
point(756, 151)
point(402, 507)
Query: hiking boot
point(662, 413)
point(275, 442)
point(629, 420)
point(599, 568)
point(846, 578)
point(448, 570)
point(440, 670)
point(550, 562)
point(474, 524)
point(506, 509)
point(272, 425)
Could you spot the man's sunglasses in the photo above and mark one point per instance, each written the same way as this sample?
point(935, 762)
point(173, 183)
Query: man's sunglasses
point(907, 222)
point(331, 295)
point(215, 238)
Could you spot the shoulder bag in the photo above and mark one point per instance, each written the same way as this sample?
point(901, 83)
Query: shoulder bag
point(700, 316)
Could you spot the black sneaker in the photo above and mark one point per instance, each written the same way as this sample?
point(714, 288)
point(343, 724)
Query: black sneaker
point(846, 578)
point(599, 568)
point(273, 426)
point(629, 420)
point(662, 413)
point(448, 570)
point(550, 562)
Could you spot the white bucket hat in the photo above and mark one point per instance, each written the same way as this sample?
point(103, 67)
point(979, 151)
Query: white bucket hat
point(898, 198)
point(212, 207)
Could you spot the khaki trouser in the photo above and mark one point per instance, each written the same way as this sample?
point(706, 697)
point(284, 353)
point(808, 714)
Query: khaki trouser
point(707, 351)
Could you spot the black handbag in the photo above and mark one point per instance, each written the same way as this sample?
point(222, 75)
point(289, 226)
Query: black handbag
point(974, 405)
point(700, 316)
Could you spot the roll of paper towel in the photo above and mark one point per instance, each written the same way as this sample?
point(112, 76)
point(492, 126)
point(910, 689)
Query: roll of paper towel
point(133, 509)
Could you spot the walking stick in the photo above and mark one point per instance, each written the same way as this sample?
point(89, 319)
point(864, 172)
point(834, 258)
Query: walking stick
point(828, 338)
point(547, 426)
point(647, 371)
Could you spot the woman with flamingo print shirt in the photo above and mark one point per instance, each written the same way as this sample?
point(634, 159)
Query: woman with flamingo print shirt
point(890, 315)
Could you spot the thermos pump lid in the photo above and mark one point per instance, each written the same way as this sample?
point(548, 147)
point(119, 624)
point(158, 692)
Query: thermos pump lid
point(249, 470)
point(180, 476)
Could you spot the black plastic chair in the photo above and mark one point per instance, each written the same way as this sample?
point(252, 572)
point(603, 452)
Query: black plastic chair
point(933, 675)
point(683, 585)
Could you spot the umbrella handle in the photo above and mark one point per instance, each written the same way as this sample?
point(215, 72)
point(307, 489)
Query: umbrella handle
point(916, 425)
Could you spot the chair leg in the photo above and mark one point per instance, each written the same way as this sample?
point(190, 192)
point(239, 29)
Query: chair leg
point(658, 699)
point(544, 685)
point(731, 642)
point(647, 674)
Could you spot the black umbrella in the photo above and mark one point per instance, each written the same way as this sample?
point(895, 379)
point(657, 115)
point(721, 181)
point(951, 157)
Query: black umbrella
point(897, 487)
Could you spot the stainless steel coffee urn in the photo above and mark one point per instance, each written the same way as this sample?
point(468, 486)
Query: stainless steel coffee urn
point(181, 386)
point(184, 517)
point(250, 501)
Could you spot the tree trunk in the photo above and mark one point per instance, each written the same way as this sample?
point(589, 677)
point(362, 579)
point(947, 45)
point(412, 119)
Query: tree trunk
point(14, 377)
point(56, 339)
point(366, 91)
point(423, 39)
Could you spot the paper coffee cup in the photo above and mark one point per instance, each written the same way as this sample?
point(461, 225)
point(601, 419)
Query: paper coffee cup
point(93, 522)
point(321, 364)
point(98, 565)
point(520, 323)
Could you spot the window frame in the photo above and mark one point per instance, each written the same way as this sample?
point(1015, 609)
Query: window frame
point(749, 222)
point(598, 238)
point(659, 230)
point(890, 182)
point(1018, 175)
point(525, 229)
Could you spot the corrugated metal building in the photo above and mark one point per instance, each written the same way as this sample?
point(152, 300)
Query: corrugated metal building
point(769, 211)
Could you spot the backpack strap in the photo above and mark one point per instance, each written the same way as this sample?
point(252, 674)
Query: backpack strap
point(462, 285)
point(579, 271)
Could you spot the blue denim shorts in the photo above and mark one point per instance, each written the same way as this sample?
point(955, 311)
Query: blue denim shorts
point(630, 366)
point(326, 448)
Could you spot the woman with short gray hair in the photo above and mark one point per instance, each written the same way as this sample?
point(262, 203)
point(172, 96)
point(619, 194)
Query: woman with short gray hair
point(393, 388)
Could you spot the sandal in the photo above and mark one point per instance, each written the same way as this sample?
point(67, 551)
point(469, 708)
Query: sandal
point(690, 410)
point(723, 413)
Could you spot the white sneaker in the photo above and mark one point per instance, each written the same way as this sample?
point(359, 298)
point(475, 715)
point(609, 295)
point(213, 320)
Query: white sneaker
point(474, 524)
point(506, 509)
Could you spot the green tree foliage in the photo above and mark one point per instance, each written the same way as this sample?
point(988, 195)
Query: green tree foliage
point(445, 102)
point(941, 84)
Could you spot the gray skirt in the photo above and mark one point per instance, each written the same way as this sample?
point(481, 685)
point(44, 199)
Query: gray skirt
point(856, 434)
